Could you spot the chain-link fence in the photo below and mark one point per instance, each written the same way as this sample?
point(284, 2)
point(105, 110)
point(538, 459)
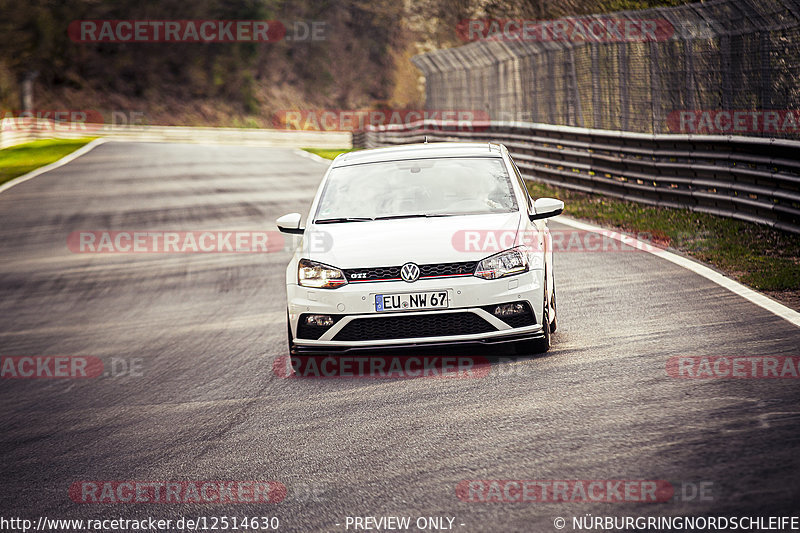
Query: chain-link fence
point(720, 67)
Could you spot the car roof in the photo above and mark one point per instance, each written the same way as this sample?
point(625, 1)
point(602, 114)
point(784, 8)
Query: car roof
point(422, 150)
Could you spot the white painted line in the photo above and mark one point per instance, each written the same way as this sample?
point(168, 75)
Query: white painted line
point(757, 298)
point(54, 165)
point(313, 157)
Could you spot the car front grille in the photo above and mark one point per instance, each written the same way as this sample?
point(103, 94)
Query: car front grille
point(447, 269)
point(355, 275)
point(392, 273)
point(413, 326)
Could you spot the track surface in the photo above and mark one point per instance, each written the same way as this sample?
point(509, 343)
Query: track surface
point(208, 327)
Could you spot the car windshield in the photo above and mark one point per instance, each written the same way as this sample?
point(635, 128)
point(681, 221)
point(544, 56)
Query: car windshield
point(416, 187)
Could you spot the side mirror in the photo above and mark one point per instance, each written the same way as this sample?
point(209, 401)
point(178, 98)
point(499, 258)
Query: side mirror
point(546, 208)
point(290, 224)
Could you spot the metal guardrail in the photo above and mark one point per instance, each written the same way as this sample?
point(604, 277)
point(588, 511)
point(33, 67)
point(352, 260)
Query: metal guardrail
point(745, 178)
point(13, 132)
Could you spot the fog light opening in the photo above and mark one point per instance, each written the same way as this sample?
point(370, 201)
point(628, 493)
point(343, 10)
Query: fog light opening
point(323, 321)
point(506, 310)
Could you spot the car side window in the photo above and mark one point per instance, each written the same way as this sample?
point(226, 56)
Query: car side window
point(522, 184)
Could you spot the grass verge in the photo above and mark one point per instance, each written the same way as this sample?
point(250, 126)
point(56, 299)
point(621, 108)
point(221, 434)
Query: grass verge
point(328, 153)
point(763, 258)
point(21, 159)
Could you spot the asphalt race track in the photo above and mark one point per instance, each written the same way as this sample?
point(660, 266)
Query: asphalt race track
point(202, 331)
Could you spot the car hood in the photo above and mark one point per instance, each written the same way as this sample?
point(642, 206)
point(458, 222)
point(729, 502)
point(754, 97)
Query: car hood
point(395, 242)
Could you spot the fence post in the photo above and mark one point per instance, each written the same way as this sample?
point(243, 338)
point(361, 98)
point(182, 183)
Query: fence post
point(624, 74)
point(576, 94)
point(534, 97)
point(725, 69)
point(655, 88)
point(568, 115)
point(688, 62)
point(551, 86)
point(597, 116)
point(766, 69)
point(26, 91)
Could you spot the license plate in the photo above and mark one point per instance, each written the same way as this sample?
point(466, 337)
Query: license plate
point(412, 301)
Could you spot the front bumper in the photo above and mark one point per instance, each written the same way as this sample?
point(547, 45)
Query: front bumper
point(469, 299)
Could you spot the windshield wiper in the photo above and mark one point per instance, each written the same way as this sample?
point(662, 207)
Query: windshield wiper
point(387, 217)
point(341, 219)
point(420, 215)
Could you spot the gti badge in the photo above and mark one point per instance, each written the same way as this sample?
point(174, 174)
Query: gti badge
point(409, 272)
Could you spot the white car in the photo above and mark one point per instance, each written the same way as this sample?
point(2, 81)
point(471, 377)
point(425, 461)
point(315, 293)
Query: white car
point(381, 262)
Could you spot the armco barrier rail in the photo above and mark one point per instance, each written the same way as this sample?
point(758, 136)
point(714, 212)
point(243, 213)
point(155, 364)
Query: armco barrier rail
point(746, 178)
point(14, 131)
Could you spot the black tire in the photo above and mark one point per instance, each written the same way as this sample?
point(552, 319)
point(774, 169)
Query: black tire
point(537, 346)
point(289, 338)
point(554, 323)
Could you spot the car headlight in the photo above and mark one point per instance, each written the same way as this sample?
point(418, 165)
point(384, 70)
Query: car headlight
point(507, 263)
point(318, 275)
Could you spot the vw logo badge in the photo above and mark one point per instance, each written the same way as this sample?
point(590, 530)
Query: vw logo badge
point(409, 272)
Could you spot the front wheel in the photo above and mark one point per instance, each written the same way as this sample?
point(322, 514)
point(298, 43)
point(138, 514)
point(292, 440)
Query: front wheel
point(537, 346)
point(554, 323)
point(289, 338)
